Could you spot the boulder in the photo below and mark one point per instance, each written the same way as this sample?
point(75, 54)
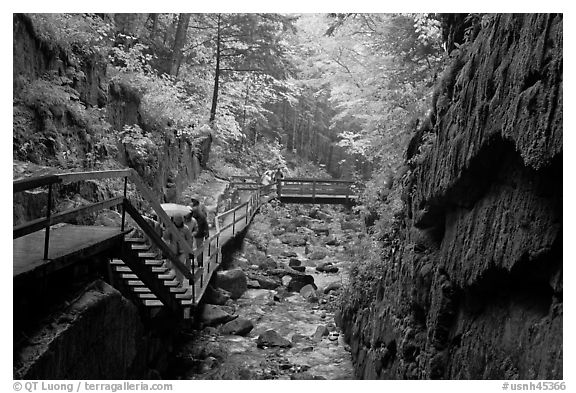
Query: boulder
point(326, 267)
point(233, 281)
point(288, 254)
point(333, 286)
point(309, 293)
point(263, 261)
point(238, 326)
point(318, 254)
point(299, 268)
point(297, 281)
point(267, 283)
point(294, 262)
point(286, 280)
point(293, 239)
point(332, 241)
point(272, 339)
point(351, 225)
point(299, 338)
point(326, 217)
point(321, 331)
point(253, 284)
point(214, 315)
point(216, 296)
point(321, 230)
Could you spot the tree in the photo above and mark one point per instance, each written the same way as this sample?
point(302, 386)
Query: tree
point(179, 41)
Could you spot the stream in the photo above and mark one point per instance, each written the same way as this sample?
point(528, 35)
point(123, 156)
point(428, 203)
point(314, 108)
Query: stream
point(306, 342)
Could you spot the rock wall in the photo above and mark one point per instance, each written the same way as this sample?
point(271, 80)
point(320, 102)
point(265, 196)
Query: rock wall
point(68, 114)
point(99, 335)
point(472, 283)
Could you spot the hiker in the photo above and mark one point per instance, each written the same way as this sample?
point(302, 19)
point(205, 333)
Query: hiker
point(278, 175)
point(199, 214)
point(152, 220)
point(184, 231)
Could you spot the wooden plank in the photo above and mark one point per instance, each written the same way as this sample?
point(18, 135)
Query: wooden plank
point(41, 223)
point(71, 177)
point(310, 180)
point(67, 245)
point(34, 182)
point(156, 239)
point(162, 216)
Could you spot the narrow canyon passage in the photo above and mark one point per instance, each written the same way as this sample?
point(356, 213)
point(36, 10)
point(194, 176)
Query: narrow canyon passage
point(293, 334)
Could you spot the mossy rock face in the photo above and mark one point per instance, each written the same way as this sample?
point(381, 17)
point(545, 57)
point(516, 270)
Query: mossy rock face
point(477, 223)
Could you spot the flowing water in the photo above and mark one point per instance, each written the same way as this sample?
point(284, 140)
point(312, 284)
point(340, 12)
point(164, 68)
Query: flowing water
point(209, 355)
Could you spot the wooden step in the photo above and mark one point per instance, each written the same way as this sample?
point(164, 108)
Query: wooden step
point(129, 276)
point(117, 262)
point(167, 276)
point(147, 296)
point(160, 269)
point(153, 303)
point(173, 283)
point(140, 247)
point(134, 240)
point(154, 262)
point(186, 295)
point(147, 255)
point(122, 269)
point(141, 290)
point(135, 283)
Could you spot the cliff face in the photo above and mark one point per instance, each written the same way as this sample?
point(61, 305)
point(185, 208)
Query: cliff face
point(98, 335)
point(472, 287)
point(68, 115)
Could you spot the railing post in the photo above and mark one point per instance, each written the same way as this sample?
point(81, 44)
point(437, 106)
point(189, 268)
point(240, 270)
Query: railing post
point(234, 223)
point(247, 206)
point(279, 188)
point(48, 214)
point(123, 209)
point(313, 190)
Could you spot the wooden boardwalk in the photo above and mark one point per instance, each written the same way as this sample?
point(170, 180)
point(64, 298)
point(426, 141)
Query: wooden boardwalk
point(67, 244)
point(44, 245)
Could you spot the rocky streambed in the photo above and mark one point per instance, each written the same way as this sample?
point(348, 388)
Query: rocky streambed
point(270, 311)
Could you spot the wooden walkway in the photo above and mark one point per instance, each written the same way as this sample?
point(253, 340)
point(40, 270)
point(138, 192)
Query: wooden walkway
point(68, 243)
point(41, 248)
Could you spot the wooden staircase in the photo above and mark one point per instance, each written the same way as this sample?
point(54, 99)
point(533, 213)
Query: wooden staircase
point(150, 278)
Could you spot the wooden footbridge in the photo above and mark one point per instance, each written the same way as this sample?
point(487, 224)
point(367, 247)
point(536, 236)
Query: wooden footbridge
point(145, 267)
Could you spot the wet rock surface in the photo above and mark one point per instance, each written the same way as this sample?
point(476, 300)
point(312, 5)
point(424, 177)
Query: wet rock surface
point(284, 321)
point(470, 284)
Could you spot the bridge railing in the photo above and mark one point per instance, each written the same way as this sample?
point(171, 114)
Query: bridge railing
point(315, 187)
point(127, 174)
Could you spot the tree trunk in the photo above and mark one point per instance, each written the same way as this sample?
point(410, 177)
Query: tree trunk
point(154, 18)
point(216, 75)
point(294, 131)
point(245, 103)
point(179, 41)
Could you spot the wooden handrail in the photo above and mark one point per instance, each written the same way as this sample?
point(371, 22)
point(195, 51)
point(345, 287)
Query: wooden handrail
point(162, 216)
point(310, 180)
point(158, 241)
point(34, 182)
point(36, 225)
point(72, 177)
point(66, 178)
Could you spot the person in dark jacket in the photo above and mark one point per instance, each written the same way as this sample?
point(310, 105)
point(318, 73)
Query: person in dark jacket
point(199, 214)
